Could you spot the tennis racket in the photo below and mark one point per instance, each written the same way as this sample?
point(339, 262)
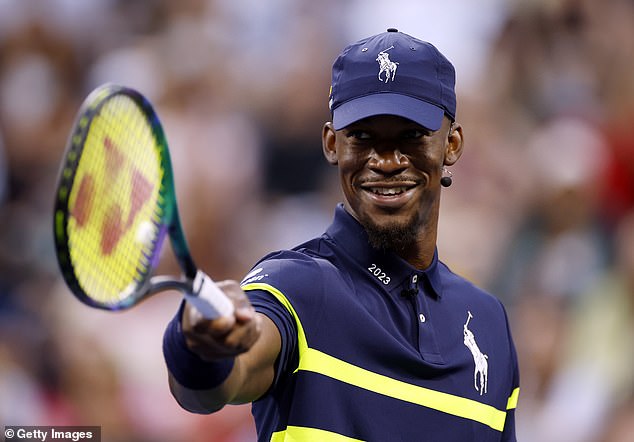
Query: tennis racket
point(115, 203)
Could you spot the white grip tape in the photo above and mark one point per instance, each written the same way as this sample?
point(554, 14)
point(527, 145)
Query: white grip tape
point(208, 299)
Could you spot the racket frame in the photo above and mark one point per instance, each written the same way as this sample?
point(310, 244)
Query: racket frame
point(170, 223)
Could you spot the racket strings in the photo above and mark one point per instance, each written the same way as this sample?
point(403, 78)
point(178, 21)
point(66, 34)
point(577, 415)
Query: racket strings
point(115, 204)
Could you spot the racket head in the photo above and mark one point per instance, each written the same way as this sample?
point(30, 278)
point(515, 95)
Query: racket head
point(114, 201)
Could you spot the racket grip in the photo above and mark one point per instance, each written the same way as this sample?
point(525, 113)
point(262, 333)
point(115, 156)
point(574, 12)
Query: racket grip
point(208, 299)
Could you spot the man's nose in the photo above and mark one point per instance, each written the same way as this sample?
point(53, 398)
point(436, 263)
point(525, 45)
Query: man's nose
point(388, 161)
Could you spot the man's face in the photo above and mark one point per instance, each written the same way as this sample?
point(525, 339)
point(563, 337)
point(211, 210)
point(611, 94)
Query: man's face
point(390, 170)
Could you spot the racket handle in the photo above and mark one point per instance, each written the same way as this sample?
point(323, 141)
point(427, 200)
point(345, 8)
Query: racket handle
point(208, 299)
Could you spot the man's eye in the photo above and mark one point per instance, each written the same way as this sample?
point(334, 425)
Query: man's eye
point(359, 135)
point(413, 134)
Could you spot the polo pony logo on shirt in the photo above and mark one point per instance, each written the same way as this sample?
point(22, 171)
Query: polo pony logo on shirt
point(386, 65)
point(480, 359)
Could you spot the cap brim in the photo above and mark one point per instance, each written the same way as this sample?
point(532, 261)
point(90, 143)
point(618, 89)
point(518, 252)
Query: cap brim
point(419, 111)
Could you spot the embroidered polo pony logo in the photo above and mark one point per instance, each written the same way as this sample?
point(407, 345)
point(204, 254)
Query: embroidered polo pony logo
point(480, 359)
point(386, 65)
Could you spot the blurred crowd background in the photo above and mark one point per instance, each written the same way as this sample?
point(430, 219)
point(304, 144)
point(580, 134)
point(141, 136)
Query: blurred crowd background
point(541, 212)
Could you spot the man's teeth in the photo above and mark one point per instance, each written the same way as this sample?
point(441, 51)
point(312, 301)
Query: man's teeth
point(389, 190)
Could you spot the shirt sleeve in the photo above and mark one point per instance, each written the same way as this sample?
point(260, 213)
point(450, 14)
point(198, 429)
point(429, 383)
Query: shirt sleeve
point(508, 435)
point(265, 303)
point(280, 286)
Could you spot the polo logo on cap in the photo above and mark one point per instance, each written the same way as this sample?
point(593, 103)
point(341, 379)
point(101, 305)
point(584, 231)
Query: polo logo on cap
point(386, 65)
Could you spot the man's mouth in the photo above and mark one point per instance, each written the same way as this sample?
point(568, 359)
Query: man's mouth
point(389, 187)
point(388, 191)
point(390, 194)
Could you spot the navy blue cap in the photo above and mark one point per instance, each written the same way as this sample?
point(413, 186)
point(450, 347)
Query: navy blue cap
point(392, 74)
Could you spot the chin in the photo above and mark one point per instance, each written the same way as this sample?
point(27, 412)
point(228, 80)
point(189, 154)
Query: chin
point(391, 235)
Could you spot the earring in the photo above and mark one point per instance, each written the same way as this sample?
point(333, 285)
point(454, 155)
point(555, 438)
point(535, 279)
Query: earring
point(446, 180)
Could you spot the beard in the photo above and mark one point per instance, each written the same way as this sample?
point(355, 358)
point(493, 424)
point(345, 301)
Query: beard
point(395, 237)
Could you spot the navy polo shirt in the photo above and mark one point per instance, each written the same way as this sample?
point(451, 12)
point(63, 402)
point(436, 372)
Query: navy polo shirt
point(376, 350)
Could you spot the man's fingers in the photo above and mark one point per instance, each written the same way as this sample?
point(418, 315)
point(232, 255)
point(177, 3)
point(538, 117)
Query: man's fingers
point(239, 340)
point(244, 311)
point(242, 338)
point(224, 336)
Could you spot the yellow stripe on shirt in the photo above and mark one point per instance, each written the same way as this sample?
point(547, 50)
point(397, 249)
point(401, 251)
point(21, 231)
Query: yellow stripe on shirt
point(306, 434)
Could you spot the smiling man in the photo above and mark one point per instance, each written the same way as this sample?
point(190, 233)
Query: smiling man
point(363, 333)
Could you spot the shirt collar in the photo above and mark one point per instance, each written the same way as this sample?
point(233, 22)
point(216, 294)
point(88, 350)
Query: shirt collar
point(348, 233)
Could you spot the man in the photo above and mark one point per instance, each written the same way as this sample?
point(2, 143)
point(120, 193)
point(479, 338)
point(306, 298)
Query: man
point(362, 333)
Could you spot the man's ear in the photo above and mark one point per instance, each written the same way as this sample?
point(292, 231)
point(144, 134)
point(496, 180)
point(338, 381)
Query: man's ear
point(455, 142)
point(328, 143)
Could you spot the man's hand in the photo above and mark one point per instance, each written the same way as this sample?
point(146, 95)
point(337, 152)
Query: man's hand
point(249, 337)
point(225, 336)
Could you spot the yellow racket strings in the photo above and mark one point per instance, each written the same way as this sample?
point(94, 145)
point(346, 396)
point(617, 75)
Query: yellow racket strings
point(114, 203)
